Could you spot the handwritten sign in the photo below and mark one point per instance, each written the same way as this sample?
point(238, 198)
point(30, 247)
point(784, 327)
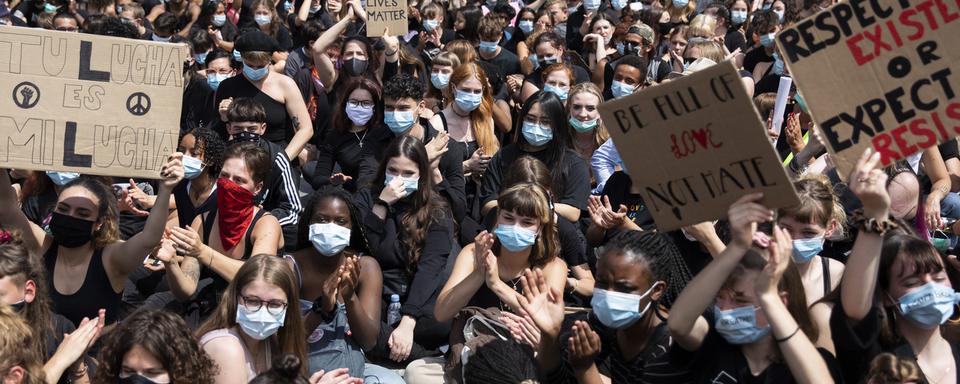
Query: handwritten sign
point(89, 104)
point(386, 14)
point(879, 74)
point(694, 146)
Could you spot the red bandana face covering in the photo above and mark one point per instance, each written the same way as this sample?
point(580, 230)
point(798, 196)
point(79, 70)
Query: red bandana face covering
point(234, 212)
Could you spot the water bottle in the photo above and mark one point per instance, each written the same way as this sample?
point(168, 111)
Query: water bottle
point(393, 310)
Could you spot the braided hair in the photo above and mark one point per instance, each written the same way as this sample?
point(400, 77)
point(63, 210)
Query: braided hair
point(658, 253)
point(501, 362)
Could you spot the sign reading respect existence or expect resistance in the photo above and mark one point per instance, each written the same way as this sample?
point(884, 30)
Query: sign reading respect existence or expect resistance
point(386, 15)
point(695, 145)
point(879, 74)
point(89, 104)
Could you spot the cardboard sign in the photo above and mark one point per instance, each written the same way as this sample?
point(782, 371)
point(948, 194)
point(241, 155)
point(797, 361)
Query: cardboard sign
point(695, 145)
point(89, 104)
point(386, 14)
point(880, 74)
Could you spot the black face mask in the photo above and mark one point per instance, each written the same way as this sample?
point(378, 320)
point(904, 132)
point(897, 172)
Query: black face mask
point(135, 379)
point(244, 137)
point(355, 67)
point(70, 231)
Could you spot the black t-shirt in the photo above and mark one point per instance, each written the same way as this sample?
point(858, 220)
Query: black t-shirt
point(580, 75)
point(572, 188)
point(38, 207)
point(719, 362)
point(506, 63)
point(198, 108)
point(279, 125)
point(735, 39)
point(617, 189)
point(755, 56)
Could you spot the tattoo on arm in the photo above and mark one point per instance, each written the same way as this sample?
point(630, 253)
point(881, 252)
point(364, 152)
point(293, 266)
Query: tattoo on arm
point(296, 123)
point(191, 268)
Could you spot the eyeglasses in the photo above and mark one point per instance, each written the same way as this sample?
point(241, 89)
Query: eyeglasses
point(253, 304)
point(360, 103)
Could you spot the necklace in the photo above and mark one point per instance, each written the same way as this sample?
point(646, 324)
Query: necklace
point(938, 379)
point(360, 138)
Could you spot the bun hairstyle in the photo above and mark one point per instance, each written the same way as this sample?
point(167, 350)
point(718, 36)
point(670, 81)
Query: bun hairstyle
point(285, 370)
point(818, 203)
point(887, 368)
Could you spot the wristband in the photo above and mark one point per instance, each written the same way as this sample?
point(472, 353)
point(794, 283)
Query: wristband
point(789, 336)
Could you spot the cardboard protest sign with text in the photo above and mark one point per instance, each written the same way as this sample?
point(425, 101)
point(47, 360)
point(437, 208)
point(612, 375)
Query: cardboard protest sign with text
point(89, 104)
point(386, 14)
point(878, 74)
point(695, 145)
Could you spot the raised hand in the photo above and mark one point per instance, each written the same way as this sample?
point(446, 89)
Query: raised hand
point(437, 147)
point(349, 277)
point(780, 250)
point(172, 171)
point(869, 184)
point(744, 214)
point(584, 346)
point(541, 303)
point(339, 178)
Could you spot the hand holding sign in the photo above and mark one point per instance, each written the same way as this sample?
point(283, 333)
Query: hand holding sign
point(172, 171)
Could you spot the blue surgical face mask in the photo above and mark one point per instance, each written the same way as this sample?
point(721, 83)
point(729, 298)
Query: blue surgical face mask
point(429, 25)
point(738, 17)
point(262, 20)
point(50, 8)
point(237, 56)
point(192, 167)
point(514, 238)
point(526, 26)
point(583, 126)
point(214, 80)
point(287, 6)
point(766, 7)
point(779, 15)
point(620, 89)
point(219, 20)
point(489, 46)
point(560, 92)
point(255, 74)
point(468, 101)
point(533, 59)
point(410, 184)
point(777, 64)
point(928, 306)
point(680, 3)
point(767, 39)
point(619, 4)
point(62, 178)
point(619, 310)
point(398, 121)
point(536, 134)
point(260, 324)
point(201, 58)
point(805, 249)
point(507, 34)
point(439, 80)
point(739, 325)
point(591, 5)
point(328, 238)
point(160, 39)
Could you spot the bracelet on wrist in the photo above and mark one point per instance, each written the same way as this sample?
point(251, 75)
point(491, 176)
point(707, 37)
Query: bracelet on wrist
point(872, 225)
point(788, 336)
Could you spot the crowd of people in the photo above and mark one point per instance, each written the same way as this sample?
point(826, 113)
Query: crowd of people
point(445, 204)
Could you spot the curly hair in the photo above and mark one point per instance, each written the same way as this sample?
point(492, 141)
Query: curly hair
point(16, 340)
point(209, 144)
point(403, 86)
point(166, 337)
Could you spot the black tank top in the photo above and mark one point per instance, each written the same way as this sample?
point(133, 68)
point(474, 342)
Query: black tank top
point(219, 283)
point(186, 211)
point(95, 293)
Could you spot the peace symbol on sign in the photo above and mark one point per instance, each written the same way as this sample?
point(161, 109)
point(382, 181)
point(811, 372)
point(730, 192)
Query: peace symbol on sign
point(138, 104)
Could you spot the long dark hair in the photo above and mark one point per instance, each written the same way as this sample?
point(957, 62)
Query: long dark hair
point(471, 16)
point(341, 122)
point(551, 107)
point(426, 206)
point(167, 337)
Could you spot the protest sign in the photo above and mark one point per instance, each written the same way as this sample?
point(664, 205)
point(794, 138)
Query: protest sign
point(878, 75)
point(88, 104)
point(386, 15)
point(695, 145)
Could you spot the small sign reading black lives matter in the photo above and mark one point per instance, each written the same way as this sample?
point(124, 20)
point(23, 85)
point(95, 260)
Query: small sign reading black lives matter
point(89, 104)
point(695, 145)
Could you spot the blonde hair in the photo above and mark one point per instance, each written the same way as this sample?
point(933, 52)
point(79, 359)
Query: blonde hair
point(17, 347)
point(709, 49)
point(446, 58)
point(481, 119)
point(681, 13)
point(702, 26)
point(600, 134)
